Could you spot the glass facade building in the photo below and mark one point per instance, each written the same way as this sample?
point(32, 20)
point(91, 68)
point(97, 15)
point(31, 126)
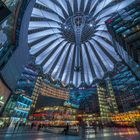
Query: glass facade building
point(125, 27)
point(127, 89)
point(18, 107)
point(5, 12)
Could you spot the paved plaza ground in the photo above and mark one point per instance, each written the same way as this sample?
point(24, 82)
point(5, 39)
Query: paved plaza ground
point(106, 134)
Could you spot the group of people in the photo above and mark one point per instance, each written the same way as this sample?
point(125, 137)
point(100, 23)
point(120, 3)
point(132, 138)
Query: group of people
point(19, 125)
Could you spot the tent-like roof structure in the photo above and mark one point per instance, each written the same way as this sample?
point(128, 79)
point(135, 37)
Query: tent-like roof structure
point(70, 40)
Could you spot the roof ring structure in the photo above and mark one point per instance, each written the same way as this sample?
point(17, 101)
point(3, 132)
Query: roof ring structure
point(70, 41)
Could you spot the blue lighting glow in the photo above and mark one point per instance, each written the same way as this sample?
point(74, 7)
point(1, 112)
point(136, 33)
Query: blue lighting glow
point(22, 104)
point(26, 98)
point(23, 111)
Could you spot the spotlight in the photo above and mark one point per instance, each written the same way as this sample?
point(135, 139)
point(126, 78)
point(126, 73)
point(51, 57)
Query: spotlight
point(91, 25)
point(65, 27)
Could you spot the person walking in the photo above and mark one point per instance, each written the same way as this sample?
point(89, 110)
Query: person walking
point(67, 129)
point(32, 125)
point(16, 126)
point(20, 126)
point(137, 124)
point(39, 126)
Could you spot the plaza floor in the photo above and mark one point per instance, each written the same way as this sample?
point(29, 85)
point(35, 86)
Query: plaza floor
point(105, 134)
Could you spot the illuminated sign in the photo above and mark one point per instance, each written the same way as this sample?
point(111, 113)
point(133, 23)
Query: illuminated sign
point(2, 102)
point(22, 108)
point(68, 104)
point(1, 98)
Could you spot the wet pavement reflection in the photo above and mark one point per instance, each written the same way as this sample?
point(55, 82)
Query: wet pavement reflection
point(88, 134)
point(126, 133)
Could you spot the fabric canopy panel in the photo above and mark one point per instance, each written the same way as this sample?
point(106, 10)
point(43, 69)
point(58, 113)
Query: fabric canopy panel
point(70, 41)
